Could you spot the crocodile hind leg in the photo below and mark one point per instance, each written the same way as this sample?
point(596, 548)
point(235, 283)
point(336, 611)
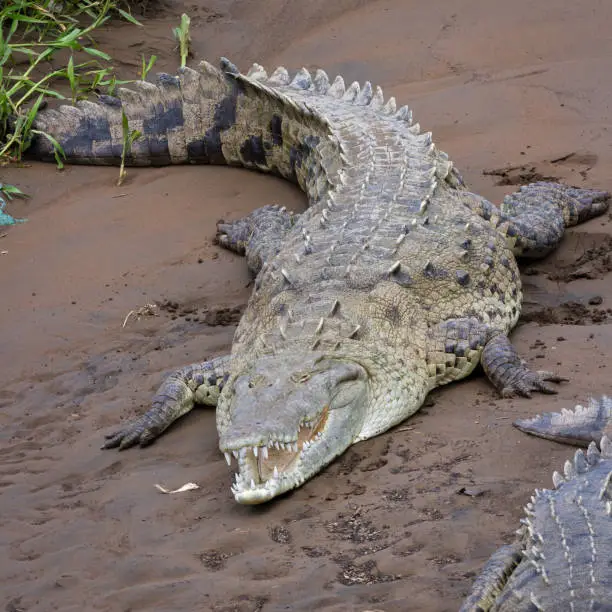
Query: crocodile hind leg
point(535, 217)
point(258, 235)
point(198, 383)
point(455, 346)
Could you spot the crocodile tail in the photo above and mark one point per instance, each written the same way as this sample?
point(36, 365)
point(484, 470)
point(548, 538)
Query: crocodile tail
point(219, 116)
point(580, 426)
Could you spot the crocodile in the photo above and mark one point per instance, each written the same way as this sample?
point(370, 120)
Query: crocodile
point(397, 279)
point(560, 559)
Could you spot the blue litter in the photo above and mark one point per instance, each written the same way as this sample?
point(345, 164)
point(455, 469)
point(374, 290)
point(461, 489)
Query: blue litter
point(5, 218)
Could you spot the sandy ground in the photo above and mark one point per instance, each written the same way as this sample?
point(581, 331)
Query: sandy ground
point(519, 85)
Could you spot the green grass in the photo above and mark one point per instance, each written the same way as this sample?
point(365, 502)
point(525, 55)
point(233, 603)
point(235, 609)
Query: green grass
point(181, 33)
point(37, 36)
point(34, 37)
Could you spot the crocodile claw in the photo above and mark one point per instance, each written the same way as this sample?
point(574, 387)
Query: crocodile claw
point(528, 381)
point(138, 432)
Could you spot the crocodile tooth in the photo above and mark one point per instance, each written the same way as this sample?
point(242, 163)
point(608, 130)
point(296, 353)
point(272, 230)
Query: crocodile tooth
point(243, 452)
point(415, 129)
point(568, 469)
point(264, 452)
point(255, 451)
point(390, 107)
point(235, 453)
point(294, 448)
point(365, 95)
point(301, 80)
point(252, 484)
point(276, 444)
point(378, 99)
point(337, 88)
point(257, 73)
point(228, 458)
point(352, 92)
point(275, 472)
point(279, 77)
point(321, 82)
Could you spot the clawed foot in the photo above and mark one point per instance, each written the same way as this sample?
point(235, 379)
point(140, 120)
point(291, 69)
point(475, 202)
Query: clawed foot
point(510, 374)
point(141, 432)
point(525, 382)
point(233, 236)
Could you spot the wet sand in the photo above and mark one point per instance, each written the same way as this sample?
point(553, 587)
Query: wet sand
point(501, 85)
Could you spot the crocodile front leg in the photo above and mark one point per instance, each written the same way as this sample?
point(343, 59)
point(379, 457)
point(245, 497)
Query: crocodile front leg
point(456, 345)
point(258, 235)
point(508, 372)
point(198, 383)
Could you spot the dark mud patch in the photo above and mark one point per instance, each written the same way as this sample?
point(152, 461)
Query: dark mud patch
point(213, 560)
point(356, 528)
point(518, 175)
point(280, 534)
point(568, 313)
point(209, 315)
point(364, 573)
point(594, 263)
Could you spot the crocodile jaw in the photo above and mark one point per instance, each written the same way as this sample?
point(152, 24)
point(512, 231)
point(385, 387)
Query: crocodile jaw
point(277, 457)
point(257, 481)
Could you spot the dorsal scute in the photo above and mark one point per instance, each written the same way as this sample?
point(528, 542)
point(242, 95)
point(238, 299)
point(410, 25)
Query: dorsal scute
point(279, 77)
point(364, 97)
point(258, 73)
point(352, 92)
point(320, 82)
point(301, 79)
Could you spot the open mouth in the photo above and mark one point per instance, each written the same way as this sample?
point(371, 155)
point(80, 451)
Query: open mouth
point(263, 468)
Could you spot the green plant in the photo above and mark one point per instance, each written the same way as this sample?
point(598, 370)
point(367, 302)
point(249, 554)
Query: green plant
point(146, 66)
point(129, 138)
point(37, 31)
point(181, 33)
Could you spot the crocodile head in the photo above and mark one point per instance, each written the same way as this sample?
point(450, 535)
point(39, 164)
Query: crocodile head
point(286, 417)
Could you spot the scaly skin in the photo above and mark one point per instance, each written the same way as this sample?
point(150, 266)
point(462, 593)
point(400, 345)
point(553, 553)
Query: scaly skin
point(561, 557)
point(396, 279)
point(580, 426)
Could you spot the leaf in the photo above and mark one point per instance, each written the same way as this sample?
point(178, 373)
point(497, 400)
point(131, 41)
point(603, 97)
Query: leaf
point(97, 53)
point(128, 17)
